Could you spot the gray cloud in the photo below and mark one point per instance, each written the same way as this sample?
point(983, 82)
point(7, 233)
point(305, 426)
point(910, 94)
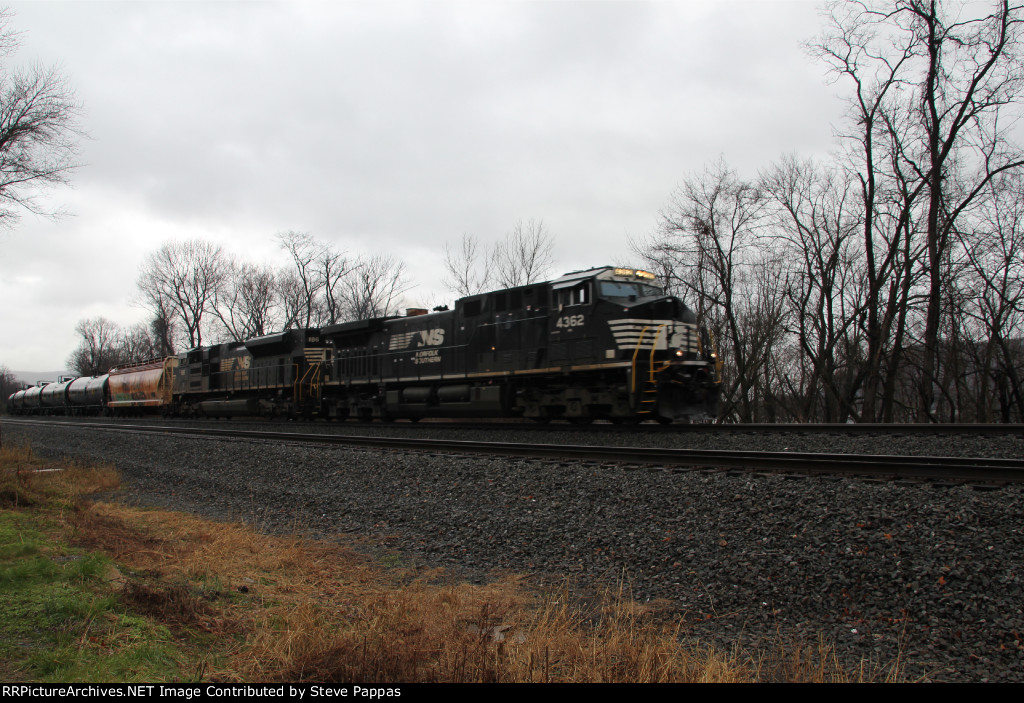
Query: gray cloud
point(391, 126)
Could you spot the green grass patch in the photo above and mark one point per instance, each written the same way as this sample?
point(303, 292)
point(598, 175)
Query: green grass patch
point(61, 618)
point(64, 612)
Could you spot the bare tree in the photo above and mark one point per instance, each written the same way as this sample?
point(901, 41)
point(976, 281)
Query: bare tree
point(710, 245)
point(303, 284)
point(292, 295)
point(971, 68)
point(246, 304)
point(39, 131)
point(934, 84)
point(816, 231)
point(899, 265)
point(161, 327)
point(469, 268)
point(311, 291)
point(873, 61)
point(524, 256)
point(374, 286)
point(136, 344)
point(994, 250)
point(8, 384)
point(333, 268)
point(105, 345)
point(183, 278)
point(99, 349)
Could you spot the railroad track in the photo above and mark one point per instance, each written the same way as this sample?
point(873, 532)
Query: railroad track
point(973, 469)
point(431, 424)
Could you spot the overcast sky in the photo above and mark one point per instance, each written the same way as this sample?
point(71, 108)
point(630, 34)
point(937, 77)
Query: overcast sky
point(390, 126)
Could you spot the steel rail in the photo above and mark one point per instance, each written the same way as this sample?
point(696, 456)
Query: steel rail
point(756, 427)
point(980, 469)
point(858, 427)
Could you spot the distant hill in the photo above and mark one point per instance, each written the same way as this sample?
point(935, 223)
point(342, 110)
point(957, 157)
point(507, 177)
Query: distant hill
point(30, 377)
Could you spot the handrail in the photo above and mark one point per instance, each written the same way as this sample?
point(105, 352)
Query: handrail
point(312, 373)
point(636, 350)
point(654, 348)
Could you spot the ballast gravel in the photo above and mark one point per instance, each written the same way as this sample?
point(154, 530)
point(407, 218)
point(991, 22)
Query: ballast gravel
point(923, 574)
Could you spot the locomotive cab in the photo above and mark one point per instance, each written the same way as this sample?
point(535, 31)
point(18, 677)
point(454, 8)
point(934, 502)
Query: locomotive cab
point(619, 318)
point(612, 312)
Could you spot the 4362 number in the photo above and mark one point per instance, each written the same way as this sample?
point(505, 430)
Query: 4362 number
point(569, 321)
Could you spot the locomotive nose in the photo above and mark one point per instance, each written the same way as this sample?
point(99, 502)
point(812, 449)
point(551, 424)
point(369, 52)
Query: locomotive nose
point(665, 308)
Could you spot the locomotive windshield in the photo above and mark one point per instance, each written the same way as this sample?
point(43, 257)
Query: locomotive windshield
point(619, 290)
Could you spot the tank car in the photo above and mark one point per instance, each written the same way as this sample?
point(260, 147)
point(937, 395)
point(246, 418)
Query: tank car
point(16, 402)
point(89, 395)
point(67, 395)
point(53, 398)
point(32, 401)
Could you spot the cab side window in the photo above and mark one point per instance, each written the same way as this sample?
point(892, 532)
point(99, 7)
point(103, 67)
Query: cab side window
point(577, 295)
point(581, 294)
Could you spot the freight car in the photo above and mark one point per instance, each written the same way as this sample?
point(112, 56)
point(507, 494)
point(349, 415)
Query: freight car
point(605, 343)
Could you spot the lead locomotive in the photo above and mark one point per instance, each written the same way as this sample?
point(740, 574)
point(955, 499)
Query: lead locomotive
point(603, 343)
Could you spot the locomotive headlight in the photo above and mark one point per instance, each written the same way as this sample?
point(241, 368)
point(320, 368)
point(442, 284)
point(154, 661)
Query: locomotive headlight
point(679, 352)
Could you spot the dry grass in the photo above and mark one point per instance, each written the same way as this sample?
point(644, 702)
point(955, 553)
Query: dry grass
point(311, 611)
point(26, 479)
point(296, 609)
point(460, 633)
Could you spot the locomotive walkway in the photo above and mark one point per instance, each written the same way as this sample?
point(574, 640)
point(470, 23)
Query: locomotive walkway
point(971, 469)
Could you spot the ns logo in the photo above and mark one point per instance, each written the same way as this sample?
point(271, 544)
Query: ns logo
point(418, 338)
point(430, 338)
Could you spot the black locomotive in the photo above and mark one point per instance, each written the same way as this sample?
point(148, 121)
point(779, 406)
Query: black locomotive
point(603, 343)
